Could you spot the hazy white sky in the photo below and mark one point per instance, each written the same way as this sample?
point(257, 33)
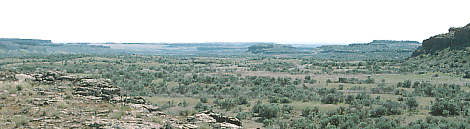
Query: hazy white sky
point(315, 21)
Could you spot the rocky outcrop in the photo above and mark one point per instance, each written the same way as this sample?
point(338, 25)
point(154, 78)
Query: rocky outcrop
point(226, 125)
point(216, 119)
point(92, 89)
point(51, 77)
point(134, 100)
point(201, 117)
point(48, 77)
point(456, 38)
point(221, 119)
point(7, 76)
point(61, 101)
point(91, 96)
point(101, 88)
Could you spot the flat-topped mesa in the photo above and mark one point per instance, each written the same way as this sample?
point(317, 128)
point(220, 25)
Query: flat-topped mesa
point(457, 37)
point(393, 41)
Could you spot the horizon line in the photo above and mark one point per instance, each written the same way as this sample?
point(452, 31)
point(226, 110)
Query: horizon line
point(199, 42)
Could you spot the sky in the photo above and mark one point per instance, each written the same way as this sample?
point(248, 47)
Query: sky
point(283, 21)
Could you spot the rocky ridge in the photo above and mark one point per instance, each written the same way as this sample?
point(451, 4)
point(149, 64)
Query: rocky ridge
point(54, 99)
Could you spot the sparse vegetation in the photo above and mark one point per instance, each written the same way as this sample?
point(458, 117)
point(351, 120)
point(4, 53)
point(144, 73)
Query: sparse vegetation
point(274, 88)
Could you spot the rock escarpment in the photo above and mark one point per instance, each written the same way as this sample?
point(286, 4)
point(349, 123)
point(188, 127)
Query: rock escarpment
point(446, 53)
point(455, 38)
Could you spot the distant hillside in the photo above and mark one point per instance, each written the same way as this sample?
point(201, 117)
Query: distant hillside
point(205, 49)
point(446, 53)
point(394, 42)
point(20, 47)
point(271, 48)
point(375, 50)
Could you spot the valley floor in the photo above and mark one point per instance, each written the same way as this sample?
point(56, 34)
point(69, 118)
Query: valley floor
point(133, 91)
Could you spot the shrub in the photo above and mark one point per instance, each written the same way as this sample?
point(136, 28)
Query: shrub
point(201, 107)
point(331, 99)
point(203, 100)
point(393, 108)
point(445, 107)
point(242, 115)
point(310, 112)
point(117, 115)
point(242, 100)
point(20, 121)
point(19, 88)
point(287, 109)
point(186, 113)
point(377, 112)
point(285, 100)
point(267, 111)
point(411, 103)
